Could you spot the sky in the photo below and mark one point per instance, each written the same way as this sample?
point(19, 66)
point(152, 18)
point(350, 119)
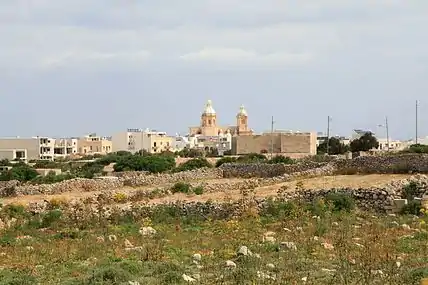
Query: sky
point(71, 67)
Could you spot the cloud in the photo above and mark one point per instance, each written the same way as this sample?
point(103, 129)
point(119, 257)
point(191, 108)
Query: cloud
point(73, 58)
point(40, 33)
point(234, 55)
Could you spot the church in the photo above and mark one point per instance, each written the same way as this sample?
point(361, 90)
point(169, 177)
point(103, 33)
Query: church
point(209, 127)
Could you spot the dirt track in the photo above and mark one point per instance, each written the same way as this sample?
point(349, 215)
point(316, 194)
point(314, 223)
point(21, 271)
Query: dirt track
point(351, 181)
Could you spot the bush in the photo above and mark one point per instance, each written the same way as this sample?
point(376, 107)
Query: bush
point(51, 177)
point(192, 164)
point(181, 187)
point(153, 163)
point(50, 218)
point(199, 190)
point(252, 158)
point(278, 210)
point(227, 159)
point(21, 172)
point(341, 202)
point(16, 278)
point(412, 208)
point(281, 159)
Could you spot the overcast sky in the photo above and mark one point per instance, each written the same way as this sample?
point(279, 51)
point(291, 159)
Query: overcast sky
point(70, 67)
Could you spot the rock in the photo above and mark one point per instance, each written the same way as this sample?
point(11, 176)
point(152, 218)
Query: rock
point(133, 283)
point(243, 250)
point(197, 257)
point(304, 279)
point(128, 244)
point(327, 245)
point(270, 266)
point(188, 278)
point(147, 231)
point(289, 245)
point(230, 264)
point(269, 239)
point(405, 227)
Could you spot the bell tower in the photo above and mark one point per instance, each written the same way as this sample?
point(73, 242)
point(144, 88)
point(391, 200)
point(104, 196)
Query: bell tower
point(209, 120)
point(242, 122)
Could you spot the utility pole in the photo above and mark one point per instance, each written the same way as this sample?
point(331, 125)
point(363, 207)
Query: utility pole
point(328, 133)
point(416, 123)
point(387, 132)
point(271, 138)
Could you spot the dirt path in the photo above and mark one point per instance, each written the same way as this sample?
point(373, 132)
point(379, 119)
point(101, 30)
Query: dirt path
point(325, 182)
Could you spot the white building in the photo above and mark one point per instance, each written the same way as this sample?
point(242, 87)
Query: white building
point(134, 140)
point(36, 148)
point(394, 145)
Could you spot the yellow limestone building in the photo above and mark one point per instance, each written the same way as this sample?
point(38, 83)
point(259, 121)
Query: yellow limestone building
point(209, 127)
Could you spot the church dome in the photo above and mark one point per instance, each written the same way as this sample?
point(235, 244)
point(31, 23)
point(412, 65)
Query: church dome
point(242, 111)
point(209, 110)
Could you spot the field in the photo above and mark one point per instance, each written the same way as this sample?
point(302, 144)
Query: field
point(284, 243)
point(351, 181)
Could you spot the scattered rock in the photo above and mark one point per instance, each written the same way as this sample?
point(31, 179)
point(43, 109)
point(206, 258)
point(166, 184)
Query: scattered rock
point(243, 250)
point(290, 245)
point(147, 231)
point(188, 278)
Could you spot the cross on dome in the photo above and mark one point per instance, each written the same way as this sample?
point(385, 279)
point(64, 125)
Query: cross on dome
point(209, 110)
point(242, 111)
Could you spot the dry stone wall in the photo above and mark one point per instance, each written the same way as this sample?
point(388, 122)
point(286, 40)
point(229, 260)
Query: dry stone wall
point(133, 179)
point(265, 170)
point(404, 163)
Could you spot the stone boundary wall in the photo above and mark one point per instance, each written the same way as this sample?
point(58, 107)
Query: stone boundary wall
point(136, 179)
point(401, 163)
point(132, 179)
point(266, 170)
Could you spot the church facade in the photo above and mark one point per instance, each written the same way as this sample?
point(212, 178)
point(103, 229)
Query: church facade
point(209, 127)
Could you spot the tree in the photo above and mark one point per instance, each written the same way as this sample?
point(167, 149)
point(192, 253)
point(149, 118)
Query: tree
point(365, 143)
point(335, 147)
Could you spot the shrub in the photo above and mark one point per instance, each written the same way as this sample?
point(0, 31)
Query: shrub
point(412, 208)
point(152, 163)
point(341, 202)
point(410, 190)
point(278, 210)
point(281, 159)
point(21, 172)
point(227, 159)
point(199, 190)
point(252, 158)
point(181, 187)
point(119, 197)
point(16, 278)
point(192, 164)
point(50, 218)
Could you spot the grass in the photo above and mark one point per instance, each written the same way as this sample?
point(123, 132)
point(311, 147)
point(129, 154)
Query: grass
point(56, 249)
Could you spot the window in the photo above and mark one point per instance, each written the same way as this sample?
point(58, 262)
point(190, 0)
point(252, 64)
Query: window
point(154, 144)
point(90, 148)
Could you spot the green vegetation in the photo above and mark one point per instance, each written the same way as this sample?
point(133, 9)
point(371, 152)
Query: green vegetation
point(193, 164)
point(318, 242)
point(186, 188)
point(365, 143)
point(417, 148)
point(254, 158)
point(335, 147)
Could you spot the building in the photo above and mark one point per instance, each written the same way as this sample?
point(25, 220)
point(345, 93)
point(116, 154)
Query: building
point(209, 126)
point(93, 144)
point(394, 145)
point(358, 133)
point(36, 148)
point(292, 144)
point(321, 138)
point(134, 140)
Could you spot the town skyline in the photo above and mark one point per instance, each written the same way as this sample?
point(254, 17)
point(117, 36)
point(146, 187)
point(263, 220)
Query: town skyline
point(79, 67)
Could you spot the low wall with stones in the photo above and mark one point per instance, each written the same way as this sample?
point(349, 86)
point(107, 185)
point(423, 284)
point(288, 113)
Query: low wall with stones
point(266, 170)
point(136, 179)
point(397, 163)
point(133, 179)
